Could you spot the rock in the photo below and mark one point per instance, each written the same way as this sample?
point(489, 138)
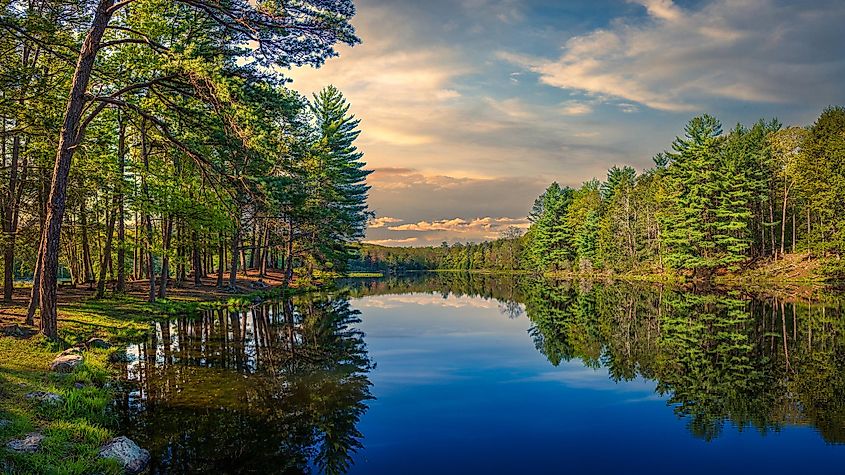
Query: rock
point(78, 385)
point(17, 331)
point(74, 350)
point(134, 459)
point(97, 343)
point(65, 363)
point(5, 423)
point(42, 396)
point(119, 357)
point(30, 443)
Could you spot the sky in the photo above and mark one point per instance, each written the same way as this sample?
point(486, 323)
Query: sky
point(470, 108)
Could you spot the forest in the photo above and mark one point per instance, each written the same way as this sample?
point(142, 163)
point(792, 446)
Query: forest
point(159, 141)
point(715, 202)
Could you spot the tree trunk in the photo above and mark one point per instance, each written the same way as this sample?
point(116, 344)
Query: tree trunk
point(772, 227)
point(233, 272)
point(68, 140)
point(263, 252)
point(121, 224)
point(254, 246)
point(289, 254)
point(101, 282)
point(34, 292)
point(221, 259)
point(197, 261)
point(10, 225)
point(166, 236)
point(88, 271)
point(793, 228)
point(783, 221)
point(151, 275)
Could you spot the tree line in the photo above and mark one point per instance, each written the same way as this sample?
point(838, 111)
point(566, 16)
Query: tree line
point(714, 202)
point(158, 140)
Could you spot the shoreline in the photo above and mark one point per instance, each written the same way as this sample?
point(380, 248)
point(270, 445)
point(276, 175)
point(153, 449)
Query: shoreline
point(81, 420)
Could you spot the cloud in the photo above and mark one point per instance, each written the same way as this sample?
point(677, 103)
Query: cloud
point(392, 242)
point(412, 195)
point(459, 229)
point(576, 108)
point(682, 60)
point(382, 221)
point(486, 225)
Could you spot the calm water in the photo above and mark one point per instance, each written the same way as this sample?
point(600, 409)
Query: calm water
point(458, 374)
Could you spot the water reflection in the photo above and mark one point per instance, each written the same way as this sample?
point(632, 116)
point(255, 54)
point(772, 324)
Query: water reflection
point(276, 389)
point(761, 362)
point(284, 388)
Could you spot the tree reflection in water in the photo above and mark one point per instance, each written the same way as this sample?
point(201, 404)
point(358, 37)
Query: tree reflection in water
point(756, 361)
point(276, 389)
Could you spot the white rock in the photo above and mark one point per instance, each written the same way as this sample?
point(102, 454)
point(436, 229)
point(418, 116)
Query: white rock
point(30, 443)
point(65, 363)
point(41, 396)
point(134, 459)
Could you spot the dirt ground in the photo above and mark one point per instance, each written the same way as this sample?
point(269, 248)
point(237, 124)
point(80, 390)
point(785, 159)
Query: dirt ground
point(13, 313)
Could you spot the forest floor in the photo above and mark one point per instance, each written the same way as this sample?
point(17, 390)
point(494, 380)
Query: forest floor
point(75, 427)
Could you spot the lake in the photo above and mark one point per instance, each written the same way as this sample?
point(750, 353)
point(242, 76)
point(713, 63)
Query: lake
point(457, 374)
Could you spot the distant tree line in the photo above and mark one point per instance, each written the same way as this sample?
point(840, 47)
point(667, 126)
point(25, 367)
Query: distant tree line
point(504, 254)
point(156, 140)
point(714, 202)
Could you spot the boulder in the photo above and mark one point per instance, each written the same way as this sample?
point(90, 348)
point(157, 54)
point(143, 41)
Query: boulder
point(74, 350)
point(119, 356)
point(17, 331)
point(30, 443)
point(134, 459)
point(98, 343)
point(65, 363)
point(41, 396)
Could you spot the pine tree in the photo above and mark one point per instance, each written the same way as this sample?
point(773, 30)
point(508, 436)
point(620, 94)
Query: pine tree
point(340, 194)
point(690, 221)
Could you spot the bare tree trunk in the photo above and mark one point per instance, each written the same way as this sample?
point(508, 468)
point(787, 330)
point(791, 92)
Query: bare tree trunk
point(68, 140)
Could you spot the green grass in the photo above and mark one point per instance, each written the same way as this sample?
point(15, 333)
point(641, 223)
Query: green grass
point(74, 429)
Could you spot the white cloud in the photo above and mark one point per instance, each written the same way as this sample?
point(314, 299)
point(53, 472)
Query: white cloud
point(576, 108)
point(681, 60)
point(382, 221)
point(475, 229)
point(392, 242)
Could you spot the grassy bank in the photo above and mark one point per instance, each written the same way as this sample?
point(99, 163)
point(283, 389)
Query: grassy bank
point(76, 427)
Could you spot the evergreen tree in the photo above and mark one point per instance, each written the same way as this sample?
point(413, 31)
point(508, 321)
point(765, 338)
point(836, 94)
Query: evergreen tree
point(340, 193)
